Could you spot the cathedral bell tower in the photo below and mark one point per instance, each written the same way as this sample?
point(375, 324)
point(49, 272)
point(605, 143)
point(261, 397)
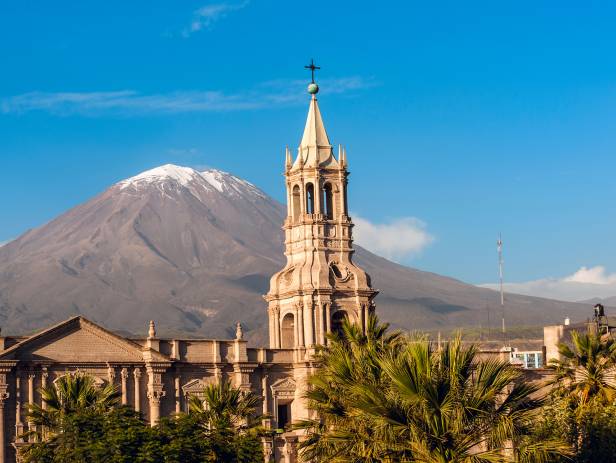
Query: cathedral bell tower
point(319, 285)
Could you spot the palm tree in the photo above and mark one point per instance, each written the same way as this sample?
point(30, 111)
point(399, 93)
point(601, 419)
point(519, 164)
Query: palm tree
point(584, 393)
point(223, 406)
point(585, 372)
point(340, 431)
point(449, 405)
point(67, 396)
point(226, 417)
point(382, 399)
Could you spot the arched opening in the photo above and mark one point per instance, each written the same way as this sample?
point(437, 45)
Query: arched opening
point(329, 201)
point(287, 332)
point(296, 201)
point(309, 198)
point(337, 320)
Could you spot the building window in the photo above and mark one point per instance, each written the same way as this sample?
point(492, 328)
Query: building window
point(309, 198)
point(287, 331)
point(284, 415)
point(296, 201)
point(329, 201)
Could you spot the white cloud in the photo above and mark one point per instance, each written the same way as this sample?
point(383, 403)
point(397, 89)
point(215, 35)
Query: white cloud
point(585, 283)
point(204, 17)
point(130, 102)
point(399, 239)
point(594, 275)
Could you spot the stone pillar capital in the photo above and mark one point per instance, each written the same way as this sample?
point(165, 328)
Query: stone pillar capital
point(156, 395)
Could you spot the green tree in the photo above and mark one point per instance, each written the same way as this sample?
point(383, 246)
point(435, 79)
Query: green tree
point(116, 436)
point(341, 431)
point(228, 420)
point(583, 375)
point(223, 406)
point(69, 394)
point(582, 407)
point(83, 425)
point(384, 398)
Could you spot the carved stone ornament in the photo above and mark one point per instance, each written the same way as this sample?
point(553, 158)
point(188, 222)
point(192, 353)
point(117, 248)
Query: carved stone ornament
point(194, 387)
point(284, 388)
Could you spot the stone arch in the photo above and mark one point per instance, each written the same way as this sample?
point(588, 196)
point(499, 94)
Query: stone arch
point(287, 331)
point(296, 203)
point(328, 193)
point(309, 198)
point(338, 318)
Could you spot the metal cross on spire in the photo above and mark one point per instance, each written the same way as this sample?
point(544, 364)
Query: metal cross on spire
point(312, 68)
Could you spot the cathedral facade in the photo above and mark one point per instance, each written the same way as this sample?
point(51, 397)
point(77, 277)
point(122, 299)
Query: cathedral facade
point(318, 288)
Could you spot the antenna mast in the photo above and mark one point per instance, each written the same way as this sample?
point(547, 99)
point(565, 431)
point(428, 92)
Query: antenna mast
point(499, 246)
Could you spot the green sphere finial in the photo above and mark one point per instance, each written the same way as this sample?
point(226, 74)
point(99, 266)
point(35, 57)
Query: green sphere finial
point(313, 88)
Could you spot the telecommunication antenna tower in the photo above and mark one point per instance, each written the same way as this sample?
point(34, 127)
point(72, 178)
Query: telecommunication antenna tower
point(499, 246)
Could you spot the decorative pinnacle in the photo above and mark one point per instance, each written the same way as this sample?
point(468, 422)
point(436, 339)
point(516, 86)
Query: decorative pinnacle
point(239, 332)
point(152, 330)
point(313, 88)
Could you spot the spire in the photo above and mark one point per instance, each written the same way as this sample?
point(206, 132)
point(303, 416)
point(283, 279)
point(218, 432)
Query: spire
point(315, 135)
point(315, 149)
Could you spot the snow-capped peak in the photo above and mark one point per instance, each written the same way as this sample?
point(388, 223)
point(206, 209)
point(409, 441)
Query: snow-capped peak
point(182, 175)
point(189, 177)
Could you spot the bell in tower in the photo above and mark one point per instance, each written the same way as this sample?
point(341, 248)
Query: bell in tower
point(320, 285)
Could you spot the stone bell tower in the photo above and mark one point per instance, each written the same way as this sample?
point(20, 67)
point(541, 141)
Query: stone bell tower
point(319, 285)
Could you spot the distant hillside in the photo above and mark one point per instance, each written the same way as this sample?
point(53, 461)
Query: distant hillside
point(194, 251)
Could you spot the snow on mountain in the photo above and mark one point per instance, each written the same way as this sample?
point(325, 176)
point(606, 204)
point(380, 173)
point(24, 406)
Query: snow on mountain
point(182, 175)
point(187, 177)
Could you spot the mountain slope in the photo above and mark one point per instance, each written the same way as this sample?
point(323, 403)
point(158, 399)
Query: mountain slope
point(194, 251)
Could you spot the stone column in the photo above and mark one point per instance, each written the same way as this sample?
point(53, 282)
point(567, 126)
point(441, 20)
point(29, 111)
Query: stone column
point(362, 317)
point(156, 390)
point(31, 376)
point(321, 315)
point(268, 450)
point(124, 377)
point(270, 325)
point(44, 376)
point(309, 323)
point(216, 352)
point(300, 325)
point(295, 327)
point(19, 427)
point(3, 396)
point(277, 326)
point(111, 374)
point(328, 317)
point(265, 409)
point(287, 451)
point(137, 380)
point(178, 403)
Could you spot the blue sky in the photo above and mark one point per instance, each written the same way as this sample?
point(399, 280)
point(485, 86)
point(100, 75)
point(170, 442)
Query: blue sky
point(461, 119)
